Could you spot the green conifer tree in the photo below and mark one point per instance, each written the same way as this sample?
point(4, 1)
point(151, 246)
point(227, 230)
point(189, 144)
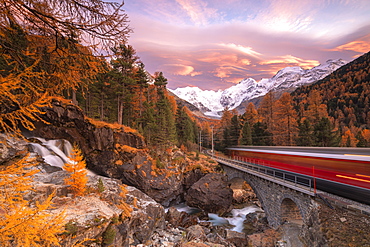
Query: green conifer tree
point(235, 129)
point(260, 135)
point(324, 134)
point(184, 127)
point(246, 135)
point(165, 128)
point(305, 137)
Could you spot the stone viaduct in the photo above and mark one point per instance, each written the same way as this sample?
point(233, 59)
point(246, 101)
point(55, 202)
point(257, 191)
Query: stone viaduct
point(282, 200)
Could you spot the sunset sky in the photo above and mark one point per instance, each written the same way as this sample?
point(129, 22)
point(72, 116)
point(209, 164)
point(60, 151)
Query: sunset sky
point(212, 44)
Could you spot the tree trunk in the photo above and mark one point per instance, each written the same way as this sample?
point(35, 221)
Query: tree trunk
point(120, 110)
point(102, 108)
point(74, 99)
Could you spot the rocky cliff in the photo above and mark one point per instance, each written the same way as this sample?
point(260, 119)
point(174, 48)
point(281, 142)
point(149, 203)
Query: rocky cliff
point(113, 151)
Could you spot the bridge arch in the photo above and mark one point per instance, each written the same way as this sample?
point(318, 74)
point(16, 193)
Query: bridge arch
point(290, 211)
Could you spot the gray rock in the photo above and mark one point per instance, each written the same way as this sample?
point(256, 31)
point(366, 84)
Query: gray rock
point(236, 238)
point(111, 152)
point(100, 212)
point(11, 147)
point(180, 219)
point(211, 193)
point(195, 232)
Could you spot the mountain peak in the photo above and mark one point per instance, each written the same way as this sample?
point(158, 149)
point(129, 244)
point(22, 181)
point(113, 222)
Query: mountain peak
point(212, 103)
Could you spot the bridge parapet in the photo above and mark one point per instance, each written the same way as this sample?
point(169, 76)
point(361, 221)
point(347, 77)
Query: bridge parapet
point(296, 182)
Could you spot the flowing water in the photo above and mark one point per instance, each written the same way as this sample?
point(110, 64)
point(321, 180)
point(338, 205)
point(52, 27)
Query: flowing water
point(236, 220)
point(54, 152)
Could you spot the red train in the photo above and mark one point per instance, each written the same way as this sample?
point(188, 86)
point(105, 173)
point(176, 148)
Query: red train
point(349, 166)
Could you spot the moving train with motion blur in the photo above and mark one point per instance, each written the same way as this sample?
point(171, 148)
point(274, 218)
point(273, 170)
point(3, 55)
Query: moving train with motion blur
point(341, 171)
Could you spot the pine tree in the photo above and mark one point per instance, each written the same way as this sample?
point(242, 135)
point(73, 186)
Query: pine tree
point(305, 133)
point(246, 136)
point(77, 179)
point(148, 123)
point(260, 135)
point(142, 80)
point(324, 134)
point(184, 127)
point(234, 131)
point(165, 122)
point(124, 62)
point(164, 127)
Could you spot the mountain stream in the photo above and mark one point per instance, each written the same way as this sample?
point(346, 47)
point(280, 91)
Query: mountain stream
point(54, 152)
point(234, 221)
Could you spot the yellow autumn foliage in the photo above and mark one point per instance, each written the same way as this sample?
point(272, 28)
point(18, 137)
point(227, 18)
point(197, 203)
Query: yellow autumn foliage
point(23, 223)
point(126, 209)
point(114, 126)
point(77, 179)
point(42, 55)
point(125, 148)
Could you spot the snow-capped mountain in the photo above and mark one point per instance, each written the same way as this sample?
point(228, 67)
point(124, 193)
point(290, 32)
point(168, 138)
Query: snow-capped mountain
point(212, 102)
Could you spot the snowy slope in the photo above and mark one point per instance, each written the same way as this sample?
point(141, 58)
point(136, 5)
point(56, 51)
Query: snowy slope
point(202, 99)
point(212, 102)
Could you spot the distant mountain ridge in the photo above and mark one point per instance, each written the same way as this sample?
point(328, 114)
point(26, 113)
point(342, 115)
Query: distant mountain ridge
point(213, 102)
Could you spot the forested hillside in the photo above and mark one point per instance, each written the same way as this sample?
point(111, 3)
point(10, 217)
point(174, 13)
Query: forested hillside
point(346, 94)
point(332, 112)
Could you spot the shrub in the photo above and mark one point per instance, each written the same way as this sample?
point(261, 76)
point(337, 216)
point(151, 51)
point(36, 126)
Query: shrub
point(109, 235)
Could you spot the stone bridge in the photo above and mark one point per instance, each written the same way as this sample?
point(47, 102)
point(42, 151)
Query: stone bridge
point(282, 201)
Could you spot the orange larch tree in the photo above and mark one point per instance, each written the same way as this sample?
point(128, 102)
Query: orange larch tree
point(24, 223)
point(251, 114)
point(267, 111)
point(315, 109)
point(77, 172)
point(41, 53)
point(286, 131)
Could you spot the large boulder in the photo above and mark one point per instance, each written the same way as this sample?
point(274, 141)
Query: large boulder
point(191, 177)
point(211, 193)
point(158, 178)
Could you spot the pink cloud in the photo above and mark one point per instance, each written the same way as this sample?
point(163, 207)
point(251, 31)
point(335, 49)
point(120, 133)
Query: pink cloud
point(216, 56)
point(198, 11)
point(361, 45)
point(244, 49)
point(180, 69)
point(292, 60)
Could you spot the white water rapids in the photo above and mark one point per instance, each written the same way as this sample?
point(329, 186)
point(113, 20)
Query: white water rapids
point(54, 152)
point(236, 220)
